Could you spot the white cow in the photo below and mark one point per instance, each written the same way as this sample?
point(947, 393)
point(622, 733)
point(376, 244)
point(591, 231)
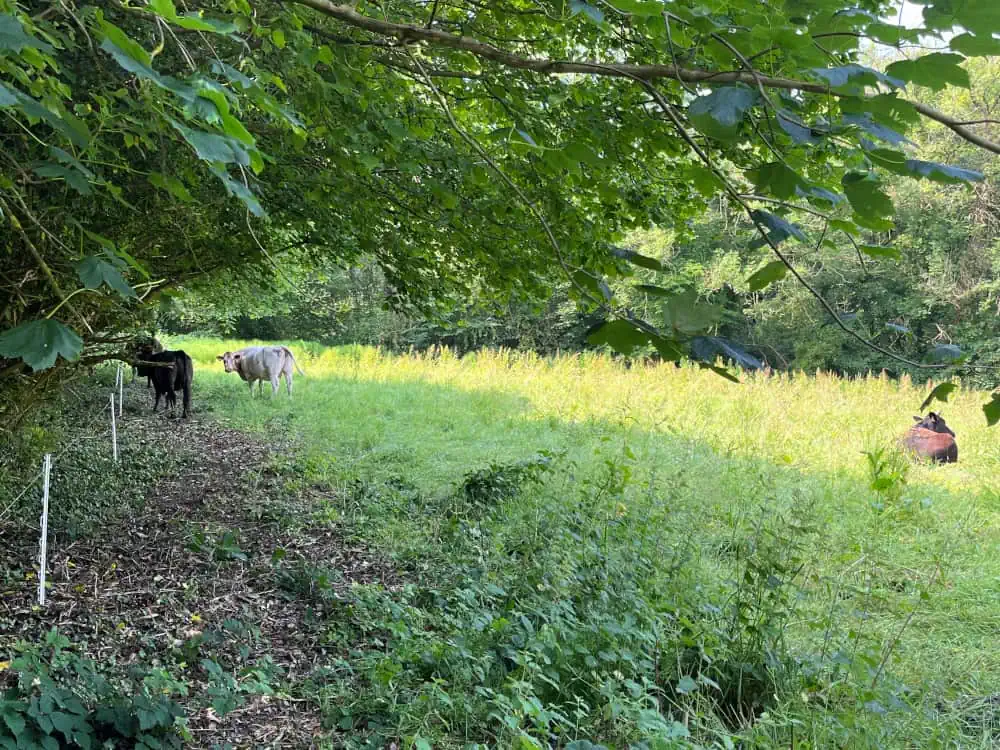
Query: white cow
point(262, 363)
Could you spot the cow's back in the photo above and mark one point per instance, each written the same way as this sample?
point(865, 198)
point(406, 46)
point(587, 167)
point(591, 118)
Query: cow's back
point(937, 446)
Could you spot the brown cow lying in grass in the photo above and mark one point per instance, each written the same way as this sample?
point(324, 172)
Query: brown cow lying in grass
point(931, 438)
point(260, 363)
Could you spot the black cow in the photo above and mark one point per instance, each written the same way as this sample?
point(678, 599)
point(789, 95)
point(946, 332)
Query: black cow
point(142, 350)
point(174, 374)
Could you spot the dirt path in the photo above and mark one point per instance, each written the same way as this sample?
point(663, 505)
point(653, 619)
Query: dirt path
point(214, 567)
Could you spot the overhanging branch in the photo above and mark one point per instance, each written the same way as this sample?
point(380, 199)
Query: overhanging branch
point(408, 33)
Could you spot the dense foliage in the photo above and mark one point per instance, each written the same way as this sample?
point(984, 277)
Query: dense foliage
point(939, 290)
point(465, 147)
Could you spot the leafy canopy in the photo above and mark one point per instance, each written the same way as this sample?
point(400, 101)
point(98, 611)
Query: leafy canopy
point(461, 145)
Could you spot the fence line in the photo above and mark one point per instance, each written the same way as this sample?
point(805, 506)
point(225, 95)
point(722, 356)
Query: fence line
point(114, 430)
point(45, 474)
point(43, 544)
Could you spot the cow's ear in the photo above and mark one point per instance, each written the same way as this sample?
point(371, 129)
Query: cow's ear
point(220, 357)
point(916, 419)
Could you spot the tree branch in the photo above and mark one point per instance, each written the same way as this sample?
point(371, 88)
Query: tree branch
point(408, 33)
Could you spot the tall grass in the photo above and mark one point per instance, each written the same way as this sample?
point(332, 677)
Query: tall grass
point(891, 570)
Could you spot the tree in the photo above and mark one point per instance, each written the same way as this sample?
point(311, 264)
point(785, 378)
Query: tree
point(462, 144)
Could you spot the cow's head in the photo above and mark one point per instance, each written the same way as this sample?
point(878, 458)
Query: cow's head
point(142, 348)
point(934, 423)
point(231, 361)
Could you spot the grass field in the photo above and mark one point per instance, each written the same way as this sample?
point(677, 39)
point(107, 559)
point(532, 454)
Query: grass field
point(726, 554)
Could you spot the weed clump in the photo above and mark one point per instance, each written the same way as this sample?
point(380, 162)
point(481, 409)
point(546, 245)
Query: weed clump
point(502, 481)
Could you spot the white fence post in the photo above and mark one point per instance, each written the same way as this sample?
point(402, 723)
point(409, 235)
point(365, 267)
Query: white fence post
point(43, 542)
point(114, 430)
point(121, 385)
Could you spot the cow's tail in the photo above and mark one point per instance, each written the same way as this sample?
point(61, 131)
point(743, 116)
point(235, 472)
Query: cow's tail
point(289, 353)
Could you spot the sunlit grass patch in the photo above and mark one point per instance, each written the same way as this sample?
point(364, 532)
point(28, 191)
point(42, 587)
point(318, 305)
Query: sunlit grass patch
point(684, 484)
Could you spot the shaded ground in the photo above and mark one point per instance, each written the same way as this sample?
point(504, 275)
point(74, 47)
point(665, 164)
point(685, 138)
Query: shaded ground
point(205, 571)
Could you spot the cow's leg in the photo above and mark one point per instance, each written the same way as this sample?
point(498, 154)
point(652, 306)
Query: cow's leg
point(274, 385)
point(187, 399)
point(250, 386)
point(156, 403)
point(288, 383)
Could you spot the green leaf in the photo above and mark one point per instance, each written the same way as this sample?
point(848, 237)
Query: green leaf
point(72, 177)
point(656, 291)
point(72, 128)
point(592, 12)
point(781, 229)
point(165, 8)
point(595, 286)
point(213, 147)
point(63, 722)
point(878, 251)
point(992, 410)
point(773, 271)
point(935, 71)
point(866, 122)
point(198, 21)
point(819, 195)
point(845, 226)
point(641, 8)
point(976, 45)
point(721, 371)
point(704, 180)
point(7, 97)
point(233, 75)
point(14, 721)
point(941, 172)
point(620, 335)
point(13, 36)
point(526, 137)
point(130, 51)
point(40, 342)
point(638, 259)
point(854, 76)
point(239, 190)
point(128, 62)
point(686, 685)
point(776, 179)
point(686, 314)
point(866, 196)
point(720, 114)
point(940, 393)
point(172, 185)
point(797, 131)
point(946, 353)
point(887, 109)
point(94, 271)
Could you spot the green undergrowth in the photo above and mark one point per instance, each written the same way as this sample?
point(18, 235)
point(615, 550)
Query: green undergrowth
point(88, 488)
point(648, 557)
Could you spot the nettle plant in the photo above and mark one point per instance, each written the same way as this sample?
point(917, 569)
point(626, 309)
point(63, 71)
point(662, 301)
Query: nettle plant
point(429, 135)
point(56, 698)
